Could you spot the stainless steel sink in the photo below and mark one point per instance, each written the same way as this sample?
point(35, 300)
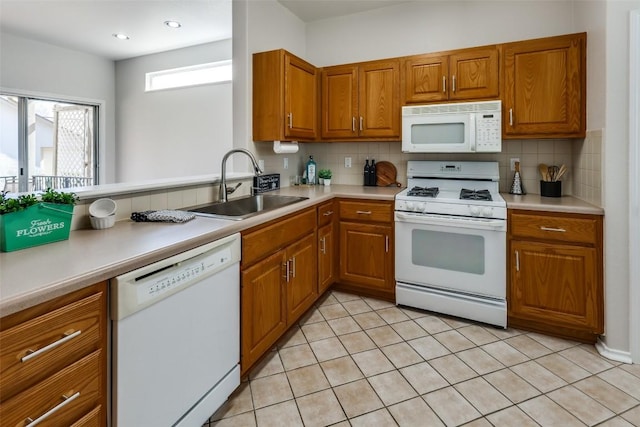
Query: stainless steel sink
point(245, 207)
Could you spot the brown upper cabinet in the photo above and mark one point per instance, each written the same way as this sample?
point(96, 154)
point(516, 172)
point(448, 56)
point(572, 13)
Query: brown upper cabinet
point(285, 97)
point(451, 76)
point(361, 101)
point(544, 87)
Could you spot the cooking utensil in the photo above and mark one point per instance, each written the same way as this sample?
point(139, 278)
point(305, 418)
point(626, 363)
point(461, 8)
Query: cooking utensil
point(561, 171)
point(553, 173)
point(386, 173)
point(544, 171)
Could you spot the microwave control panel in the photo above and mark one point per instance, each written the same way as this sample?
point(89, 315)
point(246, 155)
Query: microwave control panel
point(488, 132)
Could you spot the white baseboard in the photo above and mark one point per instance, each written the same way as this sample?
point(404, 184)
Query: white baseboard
point(613, 354)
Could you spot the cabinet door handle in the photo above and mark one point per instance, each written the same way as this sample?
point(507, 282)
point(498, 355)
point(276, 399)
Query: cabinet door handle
point(361, 123)
point(453, 83)
point(65, 401)
point(517, 261)
point(327, 213)
point(510, 116)
point(286, 267)
point(386, 243)
point(557, 230)
point(290, 120)
point(67, 336)
point(293, 267)
point(444, 84)
point(353, 124)
point(323, 246)
point(363, 212)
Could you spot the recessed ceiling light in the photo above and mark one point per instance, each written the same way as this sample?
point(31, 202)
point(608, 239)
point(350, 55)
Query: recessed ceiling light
point(121, 36)
point(172, 24)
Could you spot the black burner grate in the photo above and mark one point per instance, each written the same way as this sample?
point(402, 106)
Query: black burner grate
point(475, 194)
point(423, 191)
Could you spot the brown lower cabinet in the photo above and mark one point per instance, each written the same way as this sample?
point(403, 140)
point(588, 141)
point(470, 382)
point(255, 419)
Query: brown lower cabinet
point(53, 361)
point(555, 274)
point(327, 245)
point(278, 281)
point(366, 248)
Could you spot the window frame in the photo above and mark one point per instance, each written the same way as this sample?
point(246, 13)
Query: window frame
point(99, 118)
point(149, 76)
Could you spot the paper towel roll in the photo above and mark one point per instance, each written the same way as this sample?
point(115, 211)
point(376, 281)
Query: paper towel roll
point(285, 147)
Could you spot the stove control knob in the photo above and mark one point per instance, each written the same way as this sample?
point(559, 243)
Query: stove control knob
point(421, 207)
point(475, 210)
point(487, 211)
point(409, 206)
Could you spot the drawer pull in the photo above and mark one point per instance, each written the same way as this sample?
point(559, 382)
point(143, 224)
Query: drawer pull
point(67, 337)
point(558, 230)
point(327, 213)
point(363, 212)
point(66, 400)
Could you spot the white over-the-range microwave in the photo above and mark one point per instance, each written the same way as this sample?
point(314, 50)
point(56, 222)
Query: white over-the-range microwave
point(462, 127)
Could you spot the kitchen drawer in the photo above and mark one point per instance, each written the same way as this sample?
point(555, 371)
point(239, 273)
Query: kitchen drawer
point(92, 419)
point(366, 211)
point(576, 229)
point(326, 213)
point(276, 235)
point(74, 391)
point(37, 348)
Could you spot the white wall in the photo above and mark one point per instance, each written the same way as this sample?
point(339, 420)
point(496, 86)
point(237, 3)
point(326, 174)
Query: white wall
point(616, 175)
point(175, 132)
point(431, 26)
point(39, 69)
point(258, 26)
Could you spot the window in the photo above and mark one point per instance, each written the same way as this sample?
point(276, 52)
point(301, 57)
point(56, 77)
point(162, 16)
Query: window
point(213, 72)
point(46, 144)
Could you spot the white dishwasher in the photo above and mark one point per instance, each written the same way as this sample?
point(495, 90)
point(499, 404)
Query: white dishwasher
point(176, 337)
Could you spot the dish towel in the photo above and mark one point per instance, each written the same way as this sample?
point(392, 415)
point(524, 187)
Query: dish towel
point(165, 215)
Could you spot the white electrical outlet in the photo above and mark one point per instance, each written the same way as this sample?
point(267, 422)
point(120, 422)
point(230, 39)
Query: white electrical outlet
point(261, 164)
point(286, 163)
point(512, 163)
point(347, 162)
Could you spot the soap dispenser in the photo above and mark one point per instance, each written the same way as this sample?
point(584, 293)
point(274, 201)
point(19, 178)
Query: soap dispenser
point(312, 178)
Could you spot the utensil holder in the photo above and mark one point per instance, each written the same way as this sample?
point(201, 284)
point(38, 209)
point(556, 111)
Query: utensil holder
point(551, 188)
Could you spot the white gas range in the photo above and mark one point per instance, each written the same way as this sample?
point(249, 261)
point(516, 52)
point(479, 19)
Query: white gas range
point(451, 240)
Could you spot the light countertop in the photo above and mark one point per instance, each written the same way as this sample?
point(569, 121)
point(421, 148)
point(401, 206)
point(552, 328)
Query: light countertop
point(31, 276)
point(564, 204)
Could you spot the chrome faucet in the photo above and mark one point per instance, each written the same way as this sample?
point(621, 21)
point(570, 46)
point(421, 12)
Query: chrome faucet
point(223, 181)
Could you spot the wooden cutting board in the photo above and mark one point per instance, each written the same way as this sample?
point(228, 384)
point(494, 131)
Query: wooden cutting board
point(386, 174)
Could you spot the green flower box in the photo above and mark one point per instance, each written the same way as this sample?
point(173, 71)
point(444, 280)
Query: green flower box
point(36, 225)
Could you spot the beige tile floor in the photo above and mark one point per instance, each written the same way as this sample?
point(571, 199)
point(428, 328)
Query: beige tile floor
point(354, 361)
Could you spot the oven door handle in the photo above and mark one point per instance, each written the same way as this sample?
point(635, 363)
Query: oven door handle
point(497, 224)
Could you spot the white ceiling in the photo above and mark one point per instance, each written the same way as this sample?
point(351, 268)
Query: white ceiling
point(88, 25)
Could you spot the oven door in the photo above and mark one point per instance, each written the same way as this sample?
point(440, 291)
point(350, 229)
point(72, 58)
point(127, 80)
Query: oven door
point(458, 254)
point(438, 133)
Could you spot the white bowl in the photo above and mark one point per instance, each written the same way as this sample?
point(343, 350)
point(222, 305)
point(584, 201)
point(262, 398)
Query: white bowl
point(102, 223)
point(102, 208)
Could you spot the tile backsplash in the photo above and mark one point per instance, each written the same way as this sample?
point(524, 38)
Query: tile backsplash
point(587, 165)
point(531, 152)
point(171, 198)
point(582, 158)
